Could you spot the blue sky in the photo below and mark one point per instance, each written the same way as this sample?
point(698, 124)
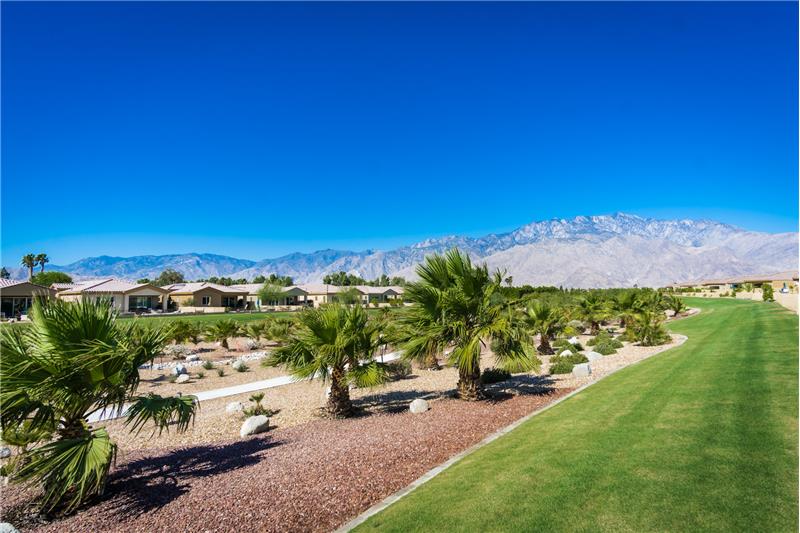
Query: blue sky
point(257, 129)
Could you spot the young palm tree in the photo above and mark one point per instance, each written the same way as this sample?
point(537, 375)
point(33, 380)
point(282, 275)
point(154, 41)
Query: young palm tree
point(222, 330)
point(464, 310)
point(592, 309)
point(625, 306)
point(41, 260)
point(73, 361)
point(648, 328)
point(675, 304)
point(546, 321)
point(336, 343)
point(29, 260)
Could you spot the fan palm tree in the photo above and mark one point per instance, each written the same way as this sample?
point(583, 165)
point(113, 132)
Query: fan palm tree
point(648, 328)
point(675, 304)
point(41, 260)
point(73, 361)
point(29, 260)
point(336, 343)
point(592, 309)
point(546, 321)
point(626, 305)
point(463, 310)
point(222, 330)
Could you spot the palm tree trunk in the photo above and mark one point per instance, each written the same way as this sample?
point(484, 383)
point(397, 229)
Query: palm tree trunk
point(224, 343)
point(30, 272)
point(470, 387)
point(544, 345)
point(339, 404)
point(595, 329)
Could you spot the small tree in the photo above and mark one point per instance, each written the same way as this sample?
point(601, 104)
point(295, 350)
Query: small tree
point(546, 321)
point(269, 293)
point(221, 331)
point(48, 278)
point(168, 277)
point(336, 343)
point(4, 274)
point(75, 360)
point(767, 292)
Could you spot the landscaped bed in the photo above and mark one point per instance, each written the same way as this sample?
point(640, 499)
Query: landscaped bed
point(311, 477)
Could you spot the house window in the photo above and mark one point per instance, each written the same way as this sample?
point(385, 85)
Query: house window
point(205, 301)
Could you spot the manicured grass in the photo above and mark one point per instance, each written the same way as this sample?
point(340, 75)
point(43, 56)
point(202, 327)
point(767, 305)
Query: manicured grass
point(700, 438)
point(206, 319)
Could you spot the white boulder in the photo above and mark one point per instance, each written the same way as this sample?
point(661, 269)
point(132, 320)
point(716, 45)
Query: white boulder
point(593, 356)
point(179, 369)
point(5, 527)
point(5, 452)
point(236, 365)
point(193, 357)
point(183, 378)
point(582, 370)
point(573, 340)
point(565, 352)
point(234, 408)
point(253, 425)
point(418, 406)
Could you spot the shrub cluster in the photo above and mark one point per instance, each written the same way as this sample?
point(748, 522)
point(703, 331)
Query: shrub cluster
point(398, 369)
point(604, 343)
point(563, 344)
point(494, 375)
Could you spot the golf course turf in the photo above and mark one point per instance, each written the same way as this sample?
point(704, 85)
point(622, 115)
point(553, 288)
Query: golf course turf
point(699, 438)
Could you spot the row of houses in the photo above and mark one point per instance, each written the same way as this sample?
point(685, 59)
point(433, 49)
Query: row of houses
point(781, 281)
point(17, 296)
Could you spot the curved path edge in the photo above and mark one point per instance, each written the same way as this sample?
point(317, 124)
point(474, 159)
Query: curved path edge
point(435, 471)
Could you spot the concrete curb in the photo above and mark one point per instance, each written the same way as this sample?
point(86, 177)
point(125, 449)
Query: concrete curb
point(430, 474)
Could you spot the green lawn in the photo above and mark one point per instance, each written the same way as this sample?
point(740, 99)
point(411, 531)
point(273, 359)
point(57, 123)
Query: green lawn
point(207, 319)
point(700, 438)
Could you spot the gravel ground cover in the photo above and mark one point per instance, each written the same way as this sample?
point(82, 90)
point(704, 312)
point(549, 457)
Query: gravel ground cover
point(312, 477)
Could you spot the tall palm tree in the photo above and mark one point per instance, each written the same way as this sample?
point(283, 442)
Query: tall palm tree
point(222, 330)
point(592, 309)
point(336, 343)
point(73, 361)
point(29, 260)
point(461, 307)
point(41, 260)
point(546, 321)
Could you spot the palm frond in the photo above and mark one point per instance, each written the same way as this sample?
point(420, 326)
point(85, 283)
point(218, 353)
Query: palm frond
point(162, 412)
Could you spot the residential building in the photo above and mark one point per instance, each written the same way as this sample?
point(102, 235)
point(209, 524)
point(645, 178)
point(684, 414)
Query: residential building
point(16, 296)
point(205, 296)
point(125, 296)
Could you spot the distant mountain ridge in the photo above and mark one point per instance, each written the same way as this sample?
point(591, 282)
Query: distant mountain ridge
point(585, 251)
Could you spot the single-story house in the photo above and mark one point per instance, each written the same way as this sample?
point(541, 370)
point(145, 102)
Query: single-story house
point(781, 281)
point(205, 294)
point(16, 296)
point(293, 295)
point(125, 296)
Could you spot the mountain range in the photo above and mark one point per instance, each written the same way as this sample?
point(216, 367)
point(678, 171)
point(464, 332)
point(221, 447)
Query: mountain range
point(619, 250)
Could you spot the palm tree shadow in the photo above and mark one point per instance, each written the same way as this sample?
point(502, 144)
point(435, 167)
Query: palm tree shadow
point(149, 483)
point(522, 384)
point(396, 401)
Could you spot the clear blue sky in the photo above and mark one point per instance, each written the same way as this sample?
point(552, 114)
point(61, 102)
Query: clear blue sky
point(257, 129)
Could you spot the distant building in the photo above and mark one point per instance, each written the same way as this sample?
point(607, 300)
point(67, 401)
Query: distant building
point(16, 297)
point(207, 295)
point(122, 295)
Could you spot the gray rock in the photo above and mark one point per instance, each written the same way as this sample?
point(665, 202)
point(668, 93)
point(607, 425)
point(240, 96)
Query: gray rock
point(593, 356)
point(183, 378)
point(565, 352)
point(236, 365)
point(573, 340)
point(193, 357)
point(418, 406)
point(253, 425)
point(5, 527)
point(582, 370)
point(179, 369)
point(5, 452)
point(234, 408)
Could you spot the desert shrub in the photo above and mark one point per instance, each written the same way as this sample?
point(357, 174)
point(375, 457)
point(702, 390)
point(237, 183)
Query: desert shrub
point(574, 359)
point(220, 372)
point(241, 368)
point(494, 375)
point(605, 349)
point(201, 375)
point(173, 379)
point(208, 365)
point(563, 344)
point(257, 409)
point(561, 367)
point(398, 369)
point(767, 293)
point(603, 336)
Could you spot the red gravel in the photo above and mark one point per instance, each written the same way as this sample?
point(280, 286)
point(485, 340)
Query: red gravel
point(312, 477)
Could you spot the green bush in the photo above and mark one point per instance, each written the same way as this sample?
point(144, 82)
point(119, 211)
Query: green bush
point(767, 293)
point(604, 337)
point(398, 369)
point(574, 359)
point(494, 375)
point(561, 367)
point(563, 344)
point(220, 372)
point(605, 349)
point(208, 365)
point(201, 375)
point(242, 368)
